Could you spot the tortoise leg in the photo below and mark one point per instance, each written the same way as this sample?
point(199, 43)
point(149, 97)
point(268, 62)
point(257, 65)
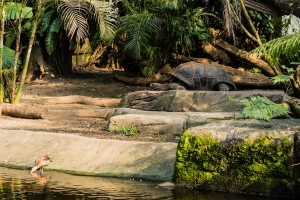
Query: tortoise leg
point(175, 86)
point(223, 87)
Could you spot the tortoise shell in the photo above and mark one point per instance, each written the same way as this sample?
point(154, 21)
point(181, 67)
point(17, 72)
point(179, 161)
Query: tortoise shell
point(200, 76)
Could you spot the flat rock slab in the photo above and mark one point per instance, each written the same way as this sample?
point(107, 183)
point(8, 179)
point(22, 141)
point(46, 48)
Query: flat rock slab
point(194, 101)
point(82, 155)
point(249, 129)
point(160, 122)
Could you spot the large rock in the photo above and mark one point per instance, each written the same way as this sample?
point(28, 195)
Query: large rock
point(186, 100)
point(160, 122)
point(89, 156)
point(243, 156)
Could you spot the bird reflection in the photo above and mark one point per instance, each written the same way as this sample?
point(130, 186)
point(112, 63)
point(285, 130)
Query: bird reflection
point(39, 179)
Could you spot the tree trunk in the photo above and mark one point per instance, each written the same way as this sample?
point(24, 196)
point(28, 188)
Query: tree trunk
point(250, 59)
point(276, 8)
point(215, 54)
point(61, 59)
point(28, 54)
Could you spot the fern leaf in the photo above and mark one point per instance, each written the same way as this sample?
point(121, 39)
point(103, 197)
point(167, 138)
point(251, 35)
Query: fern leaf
point(280, 79)
point(262, 108)
point(287, 46)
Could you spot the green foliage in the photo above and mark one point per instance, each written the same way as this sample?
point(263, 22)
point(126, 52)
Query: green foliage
point(45, 20)
point(280, 79)
point(287, 46)
point(123, 130)
point(51, 39)
point(10, 38)
point(262, 108)
point(233, 100)
point(139, 29)
point(155, 28)
point(255, 70)
point(13, 10)
point(237, 165)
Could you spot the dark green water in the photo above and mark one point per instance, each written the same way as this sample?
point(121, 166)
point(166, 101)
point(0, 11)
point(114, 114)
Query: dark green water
point(20, 184)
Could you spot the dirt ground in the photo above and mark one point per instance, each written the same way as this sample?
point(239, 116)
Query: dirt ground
point(59, 118)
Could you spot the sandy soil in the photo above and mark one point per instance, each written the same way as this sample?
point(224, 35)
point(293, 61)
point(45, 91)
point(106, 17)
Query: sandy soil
point(60, 118)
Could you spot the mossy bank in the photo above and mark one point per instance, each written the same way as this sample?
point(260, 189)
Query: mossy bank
point(255, 160)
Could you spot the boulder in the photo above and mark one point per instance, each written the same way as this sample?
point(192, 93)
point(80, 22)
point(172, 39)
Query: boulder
point(240, 156)
point(194, 101)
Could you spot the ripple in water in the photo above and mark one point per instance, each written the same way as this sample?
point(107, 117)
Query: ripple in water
point(20, 184)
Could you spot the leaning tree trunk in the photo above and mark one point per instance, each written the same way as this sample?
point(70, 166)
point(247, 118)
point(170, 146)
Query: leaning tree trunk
point(61, 59)
point(248, 58)
point(276, 8)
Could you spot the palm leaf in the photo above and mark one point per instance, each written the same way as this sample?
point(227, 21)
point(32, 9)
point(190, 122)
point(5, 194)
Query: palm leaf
point(8, 57)
point(13, 9)
point(106, 16)
point(73, 14)
point(139, 29)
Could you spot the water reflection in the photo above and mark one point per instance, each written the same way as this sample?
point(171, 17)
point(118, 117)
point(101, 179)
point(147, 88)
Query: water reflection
point(20, 184)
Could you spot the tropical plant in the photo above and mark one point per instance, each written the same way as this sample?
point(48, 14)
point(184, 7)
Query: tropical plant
point(153, 29)
point(73, 15)
point(284, 47)
point(262, 108)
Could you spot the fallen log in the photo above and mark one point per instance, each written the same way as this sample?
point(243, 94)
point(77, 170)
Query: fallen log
point(215, 54)
point(246, 57)
point(240, 78)
point(122, 76)
point(23, 111)
point(74, 99)
point(296, 82)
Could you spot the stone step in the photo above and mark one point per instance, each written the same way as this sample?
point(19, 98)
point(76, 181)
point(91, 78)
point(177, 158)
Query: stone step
point(161, 122)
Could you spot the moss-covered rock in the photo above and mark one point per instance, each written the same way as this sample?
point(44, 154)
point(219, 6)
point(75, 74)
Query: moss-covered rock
point(260, 164)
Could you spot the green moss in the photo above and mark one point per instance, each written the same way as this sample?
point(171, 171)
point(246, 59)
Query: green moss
point(260, 166)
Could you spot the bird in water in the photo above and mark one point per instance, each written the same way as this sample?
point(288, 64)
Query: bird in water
point(40, 163)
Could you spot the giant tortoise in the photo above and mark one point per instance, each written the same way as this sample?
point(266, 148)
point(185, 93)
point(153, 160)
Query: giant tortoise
point(198, 76)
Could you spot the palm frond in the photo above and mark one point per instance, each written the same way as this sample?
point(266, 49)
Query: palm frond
point(106, 16)
point(74, 15)
point(287, 46)
point(13, 9)
point(138, 28)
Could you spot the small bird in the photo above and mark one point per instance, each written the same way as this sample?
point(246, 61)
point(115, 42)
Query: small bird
point(40, 163)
